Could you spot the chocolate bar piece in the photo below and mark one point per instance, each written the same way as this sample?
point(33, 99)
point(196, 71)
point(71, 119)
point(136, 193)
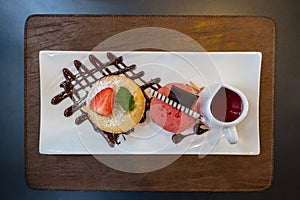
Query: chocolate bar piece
point(183, 97)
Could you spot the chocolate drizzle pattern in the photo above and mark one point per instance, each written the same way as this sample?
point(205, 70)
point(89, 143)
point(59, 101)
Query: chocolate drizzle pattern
point(75, 85)
point(197, 130)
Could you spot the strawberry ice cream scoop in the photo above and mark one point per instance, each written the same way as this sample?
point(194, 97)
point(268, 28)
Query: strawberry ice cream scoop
point(168, 117)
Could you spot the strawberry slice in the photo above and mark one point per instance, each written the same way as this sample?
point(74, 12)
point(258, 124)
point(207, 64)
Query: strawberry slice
point(102, 103)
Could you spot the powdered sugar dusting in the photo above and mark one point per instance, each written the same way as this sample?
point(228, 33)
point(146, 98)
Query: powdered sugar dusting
point(118, 119)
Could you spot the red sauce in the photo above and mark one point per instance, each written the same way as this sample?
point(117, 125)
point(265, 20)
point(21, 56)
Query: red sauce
point(226, 105)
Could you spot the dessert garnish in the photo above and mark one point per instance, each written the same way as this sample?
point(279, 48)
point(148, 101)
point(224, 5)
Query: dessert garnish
point(185, 98)
point(196, 87)
point(177, 101)
point(102, 103)
point(125, 99)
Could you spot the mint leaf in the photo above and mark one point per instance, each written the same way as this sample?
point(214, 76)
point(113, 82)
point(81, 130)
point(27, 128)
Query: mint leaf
point(125, 99)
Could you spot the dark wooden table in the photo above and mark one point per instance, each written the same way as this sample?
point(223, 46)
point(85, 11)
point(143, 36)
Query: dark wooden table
point(286, 157)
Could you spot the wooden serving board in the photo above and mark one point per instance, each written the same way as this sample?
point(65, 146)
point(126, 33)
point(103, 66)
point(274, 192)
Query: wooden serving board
point(188, 173)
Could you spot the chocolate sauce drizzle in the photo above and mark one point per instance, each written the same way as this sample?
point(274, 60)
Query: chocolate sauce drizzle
point(197, 130)
point(75, 85)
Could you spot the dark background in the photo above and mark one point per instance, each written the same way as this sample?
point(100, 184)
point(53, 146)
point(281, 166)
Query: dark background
point(286, 15)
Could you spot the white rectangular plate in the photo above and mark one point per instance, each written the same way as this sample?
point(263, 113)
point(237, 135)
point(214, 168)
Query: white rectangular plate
point(60, 135)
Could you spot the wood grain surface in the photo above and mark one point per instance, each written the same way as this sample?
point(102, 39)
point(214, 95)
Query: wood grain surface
point(188, 173)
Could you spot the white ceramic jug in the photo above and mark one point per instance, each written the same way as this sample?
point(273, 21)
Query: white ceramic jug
point(228, 128)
